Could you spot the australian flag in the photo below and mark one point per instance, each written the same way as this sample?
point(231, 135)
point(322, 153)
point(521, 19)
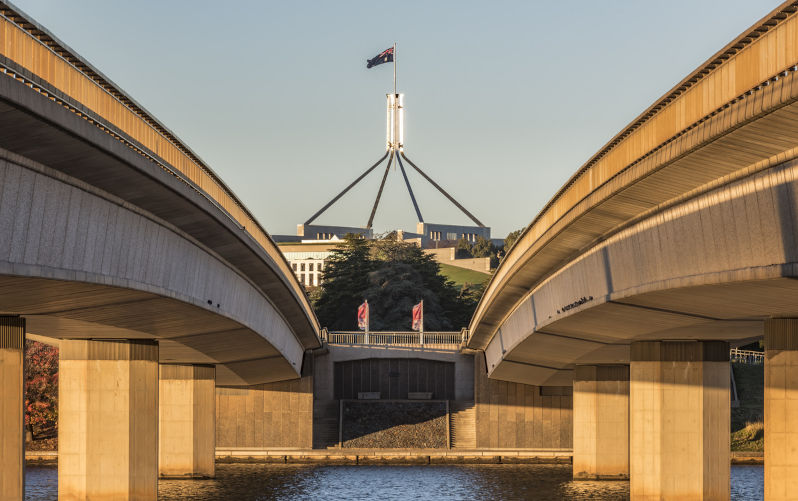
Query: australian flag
point(385, 56)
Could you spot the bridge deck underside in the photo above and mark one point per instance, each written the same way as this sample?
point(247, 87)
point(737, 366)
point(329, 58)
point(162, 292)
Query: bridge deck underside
point(185, 333)
point(47, 133)
point(601, 335)
point(712, 267)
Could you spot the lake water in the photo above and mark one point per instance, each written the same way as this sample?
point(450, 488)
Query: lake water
point(250, 482)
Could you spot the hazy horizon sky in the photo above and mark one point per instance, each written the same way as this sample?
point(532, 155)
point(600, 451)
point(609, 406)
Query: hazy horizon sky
point(504, 100)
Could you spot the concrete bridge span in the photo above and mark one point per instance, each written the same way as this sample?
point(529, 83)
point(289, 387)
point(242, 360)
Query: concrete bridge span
point(122, 244)
point(711, 268)
point(674, 241)
point(732, 117)
point(107, 196)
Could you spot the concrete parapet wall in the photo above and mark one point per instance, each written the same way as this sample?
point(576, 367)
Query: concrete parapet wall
point(448, 256)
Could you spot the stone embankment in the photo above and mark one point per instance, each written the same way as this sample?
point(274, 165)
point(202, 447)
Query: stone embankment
point(387, 425)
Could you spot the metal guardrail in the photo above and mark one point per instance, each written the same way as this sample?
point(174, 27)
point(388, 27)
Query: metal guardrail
point(387, 338)
point(746, 356)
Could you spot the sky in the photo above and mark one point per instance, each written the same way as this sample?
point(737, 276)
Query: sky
point(504, 100)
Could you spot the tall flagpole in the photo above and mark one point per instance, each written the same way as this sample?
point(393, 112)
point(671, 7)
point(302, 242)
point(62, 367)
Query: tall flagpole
point(394, 68)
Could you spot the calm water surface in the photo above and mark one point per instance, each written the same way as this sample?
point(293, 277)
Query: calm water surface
point(244, 482)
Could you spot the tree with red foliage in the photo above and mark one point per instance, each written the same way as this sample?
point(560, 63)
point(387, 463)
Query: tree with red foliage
point(41, 389)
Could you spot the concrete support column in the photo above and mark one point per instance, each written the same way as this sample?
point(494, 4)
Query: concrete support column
point(601, 422)
point(781, 409)
point(187, 421)
point(12, 403)
point(108, 420)
point(679, 420)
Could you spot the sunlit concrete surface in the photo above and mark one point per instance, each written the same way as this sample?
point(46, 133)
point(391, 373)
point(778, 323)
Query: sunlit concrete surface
point(108, 420)
point(186, 421)
point(601, 422)
point(781, 409)
point(12, 424)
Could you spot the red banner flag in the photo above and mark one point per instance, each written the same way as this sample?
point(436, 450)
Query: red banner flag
point(418, 317)
point(363, 316)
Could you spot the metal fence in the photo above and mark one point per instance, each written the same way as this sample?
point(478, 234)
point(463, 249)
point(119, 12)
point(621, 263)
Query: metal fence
point(746, 356)
point(451, 340)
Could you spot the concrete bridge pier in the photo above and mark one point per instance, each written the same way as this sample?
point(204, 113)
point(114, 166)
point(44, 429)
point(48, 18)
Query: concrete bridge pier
point(781, 409)
point(601, 422)
point(679, 420)
point(108, 420)
point(12, 425)
point(187, 421)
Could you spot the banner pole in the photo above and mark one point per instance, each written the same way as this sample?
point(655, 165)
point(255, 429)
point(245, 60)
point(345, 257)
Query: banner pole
point(394, 68)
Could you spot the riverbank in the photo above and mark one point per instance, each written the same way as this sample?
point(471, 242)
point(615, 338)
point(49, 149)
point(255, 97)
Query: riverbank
point(395, 456)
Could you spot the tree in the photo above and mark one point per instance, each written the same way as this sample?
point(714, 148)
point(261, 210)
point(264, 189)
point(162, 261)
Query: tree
point(463, 248)
point(41, 389)
point(344, 279)
point(511, 238)
point(483, 248)
point(392, 276)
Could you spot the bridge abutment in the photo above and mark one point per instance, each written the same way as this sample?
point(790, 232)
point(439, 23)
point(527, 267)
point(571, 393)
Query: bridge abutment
point(781, 404)
point(601, 422)
point(679, 420)
point(187, 421)
point(108, 420)
point(12, 429)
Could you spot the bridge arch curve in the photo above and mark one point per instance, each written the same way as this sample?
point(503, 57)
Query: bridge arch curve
point(731, 125)
point(163, 228)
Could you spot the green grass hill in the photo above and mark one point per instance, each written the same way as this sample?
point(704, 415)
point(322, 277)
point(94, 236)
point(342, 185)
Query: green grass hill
point(747, 421)
point(461, 276)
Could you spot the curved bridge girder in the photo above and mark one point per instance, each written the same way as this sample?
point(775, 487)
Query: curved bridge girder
point(713, 267)
point(81, 264)
point(729, 123)
point(138, 235)
point(729, 114)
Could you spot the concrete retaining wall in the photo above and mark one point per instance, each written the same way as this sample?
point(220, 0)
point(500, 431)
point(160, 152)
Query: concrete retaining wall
point(266, 415)
point(515, 415)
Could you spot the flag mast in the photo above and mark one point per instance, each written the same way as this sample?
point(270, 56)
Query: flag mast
point(394, 68)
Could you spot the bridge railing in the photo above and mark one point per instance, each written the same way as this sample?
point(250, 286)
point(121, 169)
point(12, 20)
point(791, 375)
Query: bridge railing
point(746, 356)
point(437, 339)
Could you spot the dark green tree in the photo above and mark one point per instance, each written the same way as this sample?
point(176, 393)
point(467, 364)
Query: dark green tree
point(345, 278)
point(393, 276)
point(464, 248)
point(511, 238)
point(483, 248)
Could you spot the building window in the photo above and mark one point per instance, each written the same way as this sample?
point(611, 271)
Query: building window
point(293, 265)
point(302, 278)
point(310, 266)
point(301, 266)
